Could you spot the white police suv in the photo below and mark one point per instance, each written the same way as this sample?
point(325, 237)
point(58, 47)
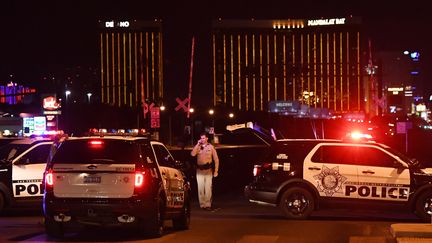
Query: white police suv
point(300, 176)
point(114, 181)
point(22, 164)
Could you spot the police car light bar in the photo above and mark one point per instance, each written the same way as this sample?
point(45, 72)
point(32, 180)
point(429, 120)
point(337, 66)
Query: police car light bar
point(117, 132)
point(357, 135)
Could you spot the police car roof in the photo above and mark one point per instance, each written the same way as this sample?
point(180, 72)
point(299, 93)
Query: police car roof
point(347, 141)
point(31, 140)
point(308, 139)
point(129, 138)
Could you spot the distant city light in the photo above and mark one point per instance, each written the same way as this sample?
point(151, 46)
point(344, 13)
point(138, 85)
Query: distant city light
point(406, 52)
point(162, 107)
point(231, 115)
point(191, 110)
point(211, 111)
point(67, 93)
point(415, 55)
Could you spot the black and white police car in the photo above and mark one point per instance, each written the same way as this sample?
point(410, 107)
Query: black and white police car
point(22, 164)
point(301, 175)
point(114, 181)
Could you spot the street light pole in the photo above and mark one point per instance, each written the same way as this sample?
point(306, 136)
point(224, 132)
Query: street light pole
point(211, 113)
point(163, 108)
point(191, 111)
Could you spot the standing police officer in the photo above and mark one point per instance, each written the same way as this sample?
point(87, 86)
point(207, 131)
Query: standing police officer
point(204, 174)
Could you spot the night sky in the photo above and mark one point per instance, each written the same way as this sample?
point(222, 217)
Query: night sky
point(37, 35)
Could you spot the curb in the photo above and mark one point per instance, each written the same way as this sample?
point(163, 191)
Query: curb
point(411, 231)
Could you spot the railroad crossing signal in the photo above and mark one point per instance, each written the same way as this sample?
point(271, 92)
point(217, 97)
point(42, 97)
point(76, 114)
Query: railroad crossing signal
point(182, 104)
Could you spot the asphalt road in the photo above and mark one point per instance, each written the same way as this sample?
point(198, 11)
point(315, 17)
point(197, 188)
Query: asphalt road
point(234, 220)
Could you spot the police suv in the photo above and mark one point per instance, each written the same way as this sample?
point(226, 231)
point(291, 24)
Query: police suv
point(22, 164)
point(114, 181)
point(301, 175)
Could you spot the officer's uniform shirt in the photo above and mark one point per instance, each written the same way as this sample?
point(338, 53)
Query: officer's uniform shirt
point(205, 153)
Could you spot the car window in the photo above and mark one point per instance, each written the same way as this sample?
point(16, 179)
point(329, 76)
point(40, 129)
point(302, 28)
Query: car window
point(293, 152)
point(148, 155)
point(105, 151)
point(10, 151)
point(38, 155)
point(334, 154)
point(374, 157)
point(163, 156)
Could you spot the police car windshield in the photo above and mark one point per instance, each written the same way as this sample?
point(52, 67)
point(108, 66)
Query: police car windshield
point(8, 152)
point(109, 151)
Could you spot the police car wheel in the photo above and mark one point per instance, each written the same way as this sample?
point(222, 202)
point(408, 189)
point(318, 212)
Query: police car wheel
point(424, 206)
point(154, 226)
point(297, 203)
point(183, 221)
point(53, 229)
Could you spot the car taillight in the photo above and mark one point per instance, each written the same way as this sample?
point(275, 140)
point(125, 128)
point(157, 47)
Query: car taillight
point(139, 179)
point(49, 181)
point(258, 168)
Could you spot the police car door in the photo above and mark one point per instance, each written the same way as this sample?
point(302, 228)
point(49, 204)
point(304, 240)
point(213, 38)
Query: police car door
point(27, 170)
point(379, 177)
point(172, 177)
point(330, 168)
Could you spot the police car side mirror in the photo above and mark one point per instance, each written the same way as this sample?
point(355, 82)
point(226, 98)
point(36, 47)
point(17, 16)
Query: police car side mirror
point(400, 167)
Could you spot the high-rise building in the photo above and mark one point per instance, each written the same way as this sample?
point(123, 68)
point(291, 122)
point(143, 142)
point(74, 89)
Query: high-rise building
point(401, 81)
point(131, 62)
point(319, 62)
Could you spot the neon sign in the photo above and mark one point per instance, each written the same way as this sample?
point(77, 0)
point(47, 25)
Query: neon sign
point(121, 24)
point(50, 103)
point(39, 123)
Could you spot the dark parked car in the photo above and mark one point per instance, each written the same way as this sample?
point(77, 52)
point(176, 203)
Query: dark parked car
point(238, 151)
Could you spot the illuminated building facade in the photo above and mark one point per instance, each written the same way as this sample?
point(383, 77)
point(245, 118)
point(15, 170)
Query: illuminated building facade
point(131, 62)
point(316, 62)
point(13, 94)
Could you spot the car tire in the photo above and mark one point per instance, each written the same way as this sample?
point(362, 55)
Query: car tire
point(297, 203)
point(154, 225)
point(423, 206)
point(53, 229)
point(182, 222)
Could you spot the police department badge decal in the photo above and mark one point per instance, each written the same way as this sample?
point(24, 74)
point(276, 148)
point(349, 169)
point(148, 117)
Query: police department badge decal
point(329, 180)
